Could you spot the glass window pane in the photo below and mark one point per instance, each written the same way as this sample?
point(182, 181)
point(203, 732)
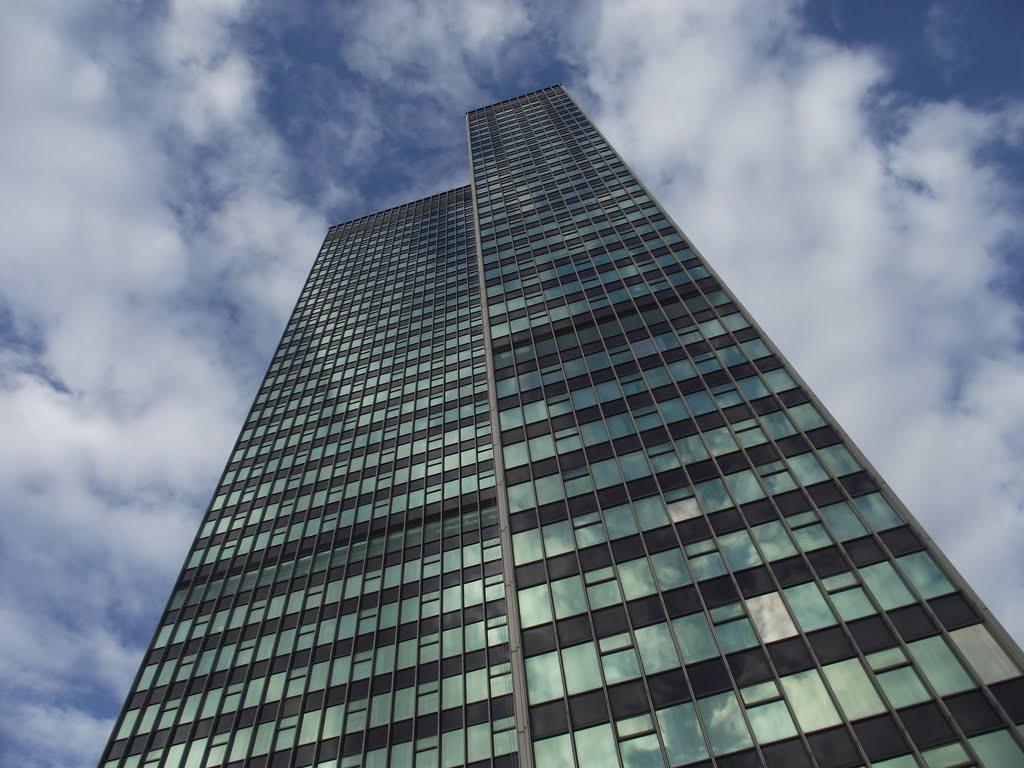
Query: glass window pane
point(812, 537)
point(642, 752)
point(595, 747)
point(651, 513)
point(940, 666)
point(839, 460)
point(670, 569)
point(886, 585)
point(903, 761)
point(744, 486)
point(478, 739)
point(852, 686)
point(724, 723)
point(946, 756)
point(636, 578)
point(605, 473)
point(770, 616)
point(554, 751)
point(809, 699)
point(603, 595)
point(591, 534)
point(878, 513)
point(739, 550)
point(989, 661)
point(569, 597)
point(807, 468)
point(925, 575)
point(634, 465)
point(707, 566)
point(806, 417)
point(691, 448)
point(542, 447)
point(779, 380)
point(558, 537)
point(997, 749)
point(520, 497)
point(682, 735)
point(526, 546)
point(903, 687)
point(698, 403)
point(759, 692)
point(694, 636)
point(777, 424)
point(712, 495)
point(534, 605)
point(771, 722)
point(843, 522)
point(774, 541)
point(620, 666)
point(852, 604)
point(888, 658)
point(736, 635)
point(581, 668)
point(619, 521)
point(515, 455)
point(683, 509)
point(809, 607)
point(657, 651)
point(720, 441)
point(544, 678)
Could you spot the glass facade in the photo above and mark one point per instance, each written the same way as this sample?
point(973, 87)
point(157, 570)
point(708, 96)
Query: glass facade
point(525, 485)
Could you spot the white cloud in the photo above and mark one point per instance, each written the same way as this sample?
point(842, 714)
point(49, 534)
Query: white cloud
point(875, 258)
point(220, 96)
point(942, 29)
point(143, 290)
point(62, 734)
point(441, 50)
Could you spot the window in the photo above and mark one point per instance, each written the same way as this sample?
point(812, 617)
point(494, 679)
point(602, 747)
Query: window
point(844, 523)
point(769, 615)
point(657, 651)
point(899, 681)
point(582, 672)
point(847, 596)
point(738, 549)
point(940, 666)
point(694, 636)
point(724, 722)
point(773, 541)
point(681, 732)
point(734, 630)
point(636, 578)
point(877, 512)
point(853, 688)
point(618, 659)
point(595, 747)
point(988, 660)
point(704, 559)
point(886, 585)
point(809, 698)
point(534, 605)
point(925, 575)
point(744, 486)
point(809, 607)
point(670, 569)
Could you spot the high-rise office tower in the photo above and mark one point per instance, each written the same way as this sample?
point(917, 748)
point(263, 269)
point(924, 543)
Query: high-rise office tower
point(525, 485)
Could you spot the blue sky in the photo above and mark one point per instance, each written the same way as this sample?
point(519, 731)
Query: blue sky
point(853, 168)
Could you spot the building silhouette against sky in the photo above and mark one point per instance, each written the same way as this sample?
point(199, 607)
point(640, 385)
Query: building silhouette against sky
point(525, 485)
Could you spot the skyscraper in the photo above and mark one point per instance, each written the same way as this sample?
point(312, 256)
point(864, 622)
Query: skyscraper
point(525, 485)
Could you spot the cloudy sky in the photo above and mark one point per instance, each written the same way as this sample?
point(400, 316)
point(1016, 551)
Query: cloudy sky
point(853, 168)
